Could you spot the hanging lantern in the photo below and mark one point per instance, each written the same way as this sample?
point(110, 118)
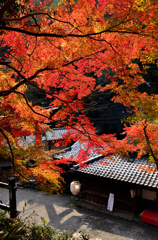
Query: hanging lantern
point(75, 187)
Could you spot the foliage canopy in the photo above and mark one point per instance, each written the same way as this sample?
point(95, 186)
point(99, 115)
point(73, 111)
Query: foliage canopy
point(56, 48)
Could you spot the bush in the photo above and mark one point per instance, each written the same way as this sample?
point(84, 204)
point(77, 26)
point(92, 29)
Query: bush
point(40, 232)
point(19, 230)
point(11, 229)
point(4, 221)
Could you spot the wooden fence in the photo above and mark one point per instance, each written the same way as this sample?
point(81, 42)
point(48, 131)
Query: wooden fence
point(12, 197)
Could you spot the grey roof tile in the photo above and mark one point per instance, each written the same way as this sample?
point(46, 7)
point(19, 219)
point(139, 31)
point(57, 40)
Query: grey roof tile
point(120, 169)
point(54, 135)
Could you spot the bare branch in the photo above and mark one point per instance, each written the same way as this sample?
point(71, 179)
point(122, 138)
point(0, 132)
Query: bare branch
point(45, 34)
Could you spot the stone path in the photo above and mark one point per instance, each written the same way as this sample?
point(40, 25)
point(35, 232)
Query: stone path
point(60, 213)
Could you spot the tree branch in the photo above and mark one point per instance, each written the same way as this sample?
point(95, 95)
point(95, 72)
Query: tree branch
point(27, 80)
point(9, 146)
point(23, 95)
point(45, 34)
point(26, 16)
point(12, 154)
point(149, 145)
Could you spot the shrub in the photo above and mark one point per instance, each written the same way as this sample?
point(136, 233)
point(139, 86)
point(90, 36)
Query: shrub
point(41, 232)
point(11, 229)
point(19, 230)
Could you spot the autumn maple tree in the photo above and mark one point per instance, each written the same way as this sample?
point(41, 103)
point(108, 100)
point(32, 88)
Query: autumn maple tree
point(56, 48)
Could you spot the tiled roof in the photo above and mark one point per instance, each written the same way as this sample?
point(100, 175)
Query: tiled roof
point(74, 151)
point(26, 141)
point(55, 135)
point(117, 168)
point(123, 170)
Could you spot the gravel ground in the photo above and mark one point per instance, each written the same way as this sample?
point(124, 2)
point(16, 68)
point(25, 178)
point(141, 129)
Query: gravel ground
point(60, 212)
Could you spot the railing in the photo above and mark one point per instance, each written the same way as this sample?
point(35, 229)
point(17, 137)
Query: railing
point(12, 197)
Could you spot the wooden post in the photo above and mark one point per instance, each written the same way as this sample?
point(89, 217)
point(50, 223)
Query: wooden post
point(12, 197)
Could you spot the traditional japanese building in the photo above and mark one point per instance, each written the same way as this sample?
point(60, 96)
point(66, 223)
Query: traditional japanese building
point(132, 188)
